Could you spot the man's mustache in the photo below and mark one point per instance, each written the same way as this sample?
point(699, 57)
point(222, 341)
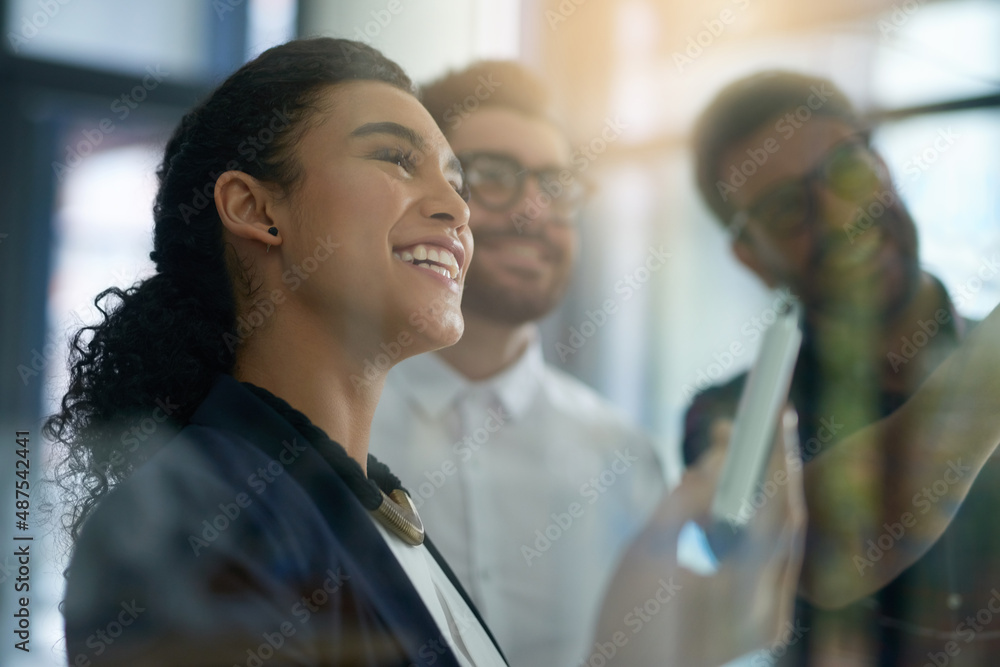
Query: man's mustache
point(532, 233)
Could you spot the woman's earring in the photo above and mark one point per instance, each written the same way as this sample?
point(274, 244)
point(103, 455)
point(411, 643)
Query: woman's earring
point(273, 231)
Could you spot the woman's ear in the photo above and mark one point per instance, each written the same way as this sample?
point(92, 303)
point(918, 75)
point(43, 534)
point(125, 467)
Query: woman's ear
point(245, 207)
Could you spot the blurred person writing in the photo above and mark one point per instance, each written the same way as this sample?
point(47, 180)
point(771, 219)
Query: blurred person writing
point(784, 162)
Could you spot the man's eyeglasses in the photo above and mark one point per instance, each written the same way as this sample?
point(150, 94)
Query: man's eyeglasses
point(497, 182)
point(850, 170)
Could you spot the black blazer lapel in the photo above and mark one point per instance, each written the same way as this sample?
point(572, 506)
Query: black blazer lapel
point(231, 407)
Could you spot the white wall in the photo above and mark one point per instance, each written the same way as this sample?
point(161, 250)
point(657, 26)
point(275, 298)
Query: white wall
point(425, 38)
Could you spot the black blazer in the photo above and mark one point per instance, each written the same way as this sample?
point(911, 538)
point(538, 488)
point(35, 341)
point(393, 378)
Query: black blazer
point(238, 544)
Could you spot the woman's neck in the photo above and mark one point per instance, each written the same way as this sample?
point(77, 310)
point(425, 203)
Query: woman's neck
point(317, 377)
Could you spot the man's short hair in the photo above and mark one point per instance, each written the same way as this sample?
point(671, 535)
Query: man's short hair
point(486, 83)
point(745, 105)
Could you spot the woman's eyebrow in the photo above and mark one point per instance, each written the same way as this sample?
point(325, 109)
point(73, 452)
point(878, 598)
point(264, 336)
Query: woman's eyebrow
point(394, 129)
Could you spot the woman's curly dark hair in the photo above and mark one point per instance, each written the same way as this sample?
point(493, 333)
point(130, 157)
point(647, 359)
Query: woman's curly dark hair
point(138, 375)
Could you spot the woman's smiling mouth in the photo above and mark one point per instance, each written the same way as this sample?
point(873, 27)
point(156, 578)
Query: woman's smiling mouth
point(434, 257)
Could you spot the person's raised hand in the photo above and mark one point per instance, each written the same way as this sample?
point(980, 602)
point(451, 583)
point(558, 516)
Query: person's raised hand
point(658, 611)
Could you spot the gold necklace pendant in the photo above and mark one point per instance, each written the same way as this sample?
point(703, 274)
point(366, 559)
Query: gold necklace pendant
point(398, 514)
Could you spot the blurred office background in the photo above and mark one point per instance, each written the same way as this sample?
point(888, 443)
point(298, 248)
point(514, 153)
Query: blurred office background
point(91, 89)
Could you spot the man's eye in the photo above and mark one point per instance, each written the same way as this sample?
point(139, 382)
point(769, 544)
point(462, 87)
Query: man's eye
point(493, 178)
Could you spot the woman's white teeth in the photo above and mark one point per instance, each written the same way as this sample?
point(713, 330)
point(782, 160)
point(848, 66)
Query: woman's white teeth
point(439, 269)
point(445, 262)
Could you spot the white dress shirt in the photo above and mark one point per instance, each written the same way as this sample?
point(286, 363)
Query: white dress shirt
point(531, 486)
point(458, 625)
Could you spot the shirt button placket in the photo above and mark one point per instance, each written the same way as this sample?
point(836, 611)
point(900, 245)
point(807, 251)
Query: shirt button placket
point(473, 418)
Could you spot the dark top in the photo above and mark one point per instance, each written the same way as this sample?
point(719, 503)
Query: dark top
point(929, 612)
point(246, 541)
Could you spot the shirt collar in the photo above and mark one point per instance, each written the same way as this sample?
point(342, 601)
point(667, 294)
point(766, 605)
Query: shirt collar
point(433, 385)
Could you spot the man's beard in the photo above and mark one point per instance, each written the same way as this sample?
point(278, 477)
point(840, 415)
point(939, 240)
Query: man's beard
point(514, 306)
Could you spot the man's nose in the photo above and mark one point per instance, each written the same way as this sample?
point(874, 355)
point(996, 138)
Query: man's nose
point(835, 212)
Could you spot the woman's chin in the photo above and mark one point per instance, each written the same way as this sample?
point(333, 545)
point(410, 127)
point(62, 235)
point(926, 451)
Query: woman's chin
point(432, 337)
point(446, 336)
point(445, 332)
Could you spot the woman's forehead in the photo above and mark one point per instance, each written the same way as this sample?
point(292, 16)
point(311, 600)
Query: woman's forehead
point(353, 104)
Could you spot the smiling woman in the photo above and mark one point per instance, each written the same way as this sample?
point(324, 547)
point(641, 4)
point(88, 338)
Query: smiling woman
point(244, 530)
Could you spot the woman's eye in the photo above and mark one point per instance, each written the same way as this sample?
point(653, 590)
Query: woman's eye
point(400, 158)
point(463, 191)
